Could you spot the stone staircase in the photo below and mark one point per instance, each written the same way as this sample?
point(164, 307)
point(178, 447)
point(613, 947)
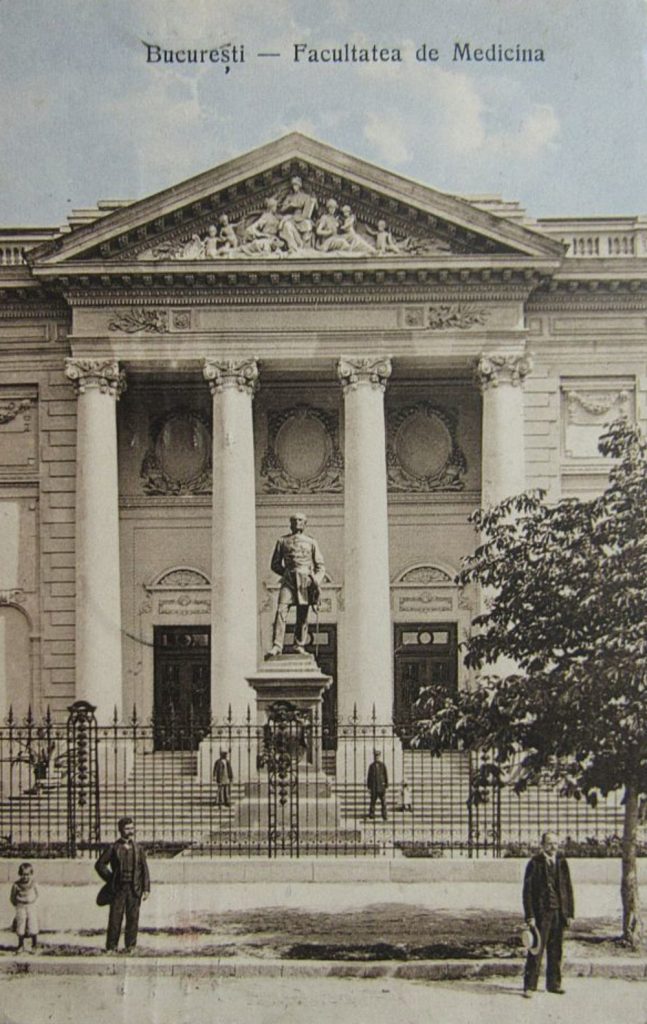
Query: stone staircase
point(173, 810)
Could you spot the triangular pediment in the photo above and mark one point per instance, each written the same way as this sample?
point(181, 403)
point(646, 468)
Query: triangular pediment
point(294, 199)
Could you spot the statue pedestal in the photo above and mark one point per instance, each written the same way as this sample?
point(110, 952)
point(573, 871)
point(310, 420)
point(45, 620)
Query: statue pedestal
point(290, 785)
point(297, 680)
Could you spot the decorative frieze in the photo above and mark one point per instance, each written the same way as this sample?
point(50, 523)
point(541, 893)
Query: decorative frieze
point(303, 454)
point(229, 373)
point(353, 371)
point(103, 374)
point(422, 451)
point(494, 369)
point(139, 319)
point(296, 222)
point(455, 316)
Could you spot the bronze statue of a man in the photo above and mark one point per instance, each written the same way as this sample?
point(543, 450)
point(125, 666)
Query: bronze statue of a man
point(298, 561)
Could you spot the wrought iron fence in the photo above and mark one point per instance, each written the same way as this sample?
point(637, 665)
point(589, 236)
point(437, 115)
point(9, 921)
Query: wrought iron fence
point(288, 787)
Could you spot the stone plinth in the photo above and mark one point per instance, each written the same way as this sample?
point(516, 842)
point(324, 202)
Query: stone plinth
point(294, 682)
point(289, 677)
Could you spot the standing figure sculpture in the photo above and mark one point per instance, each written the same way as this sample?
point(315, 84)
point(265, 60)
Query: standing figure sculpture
point(298, 561)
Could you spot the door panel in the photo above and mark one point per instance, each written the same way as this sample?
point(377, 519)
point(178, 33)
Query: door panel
point(182, 699)
point(426, 657)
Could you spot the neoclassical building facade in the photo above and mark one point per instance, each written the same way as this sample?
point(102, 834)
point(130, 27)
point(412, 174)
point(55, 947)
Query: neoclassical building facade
point(295, 329)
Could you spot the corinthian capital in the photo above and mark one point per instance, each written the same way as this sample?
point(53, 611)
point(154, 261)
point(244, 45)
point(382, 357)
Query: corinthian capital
point(227, 373)
point(364, 370)
point(494, 369)
point(103, 374)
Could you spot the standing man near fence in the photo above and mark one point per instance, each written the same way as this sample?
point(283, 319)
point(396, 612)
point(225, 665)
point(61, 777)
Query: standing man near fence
point(124, 869)
point(377, 783)
point(549, 907)
point(223, 776)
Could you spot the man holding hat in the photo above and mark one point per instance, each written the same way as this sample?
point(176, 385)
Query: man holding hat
point(548, 907)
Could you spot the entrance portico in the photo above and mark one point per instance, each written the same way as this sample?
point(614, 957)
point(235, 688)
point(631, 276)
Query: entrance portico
point(337, 377)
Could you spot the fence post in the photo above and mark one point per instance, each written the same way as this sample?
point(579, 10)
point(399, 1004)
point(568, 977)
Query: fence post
point(83, 815)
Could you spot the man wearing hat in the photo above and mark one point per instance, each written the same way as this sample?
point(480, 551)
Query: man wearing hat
point(548, 908)
point(298, 561)
point(377, 782)
point(223, 776)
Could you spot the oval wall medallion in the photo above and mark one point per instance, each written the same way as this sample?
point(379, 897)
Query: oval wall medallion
point(178, 460)
point(422, 452)
point(302, 454)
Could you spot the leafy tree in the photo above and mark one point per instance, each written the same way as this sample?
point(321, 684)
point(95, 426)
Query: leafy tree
point(568, 605)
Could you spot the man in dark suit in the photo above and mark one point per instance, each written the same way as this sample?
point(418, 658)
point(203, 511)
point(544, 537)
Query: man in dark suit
point(377, 782)
point(223, 776)
point(548, 905)
point(123, 868)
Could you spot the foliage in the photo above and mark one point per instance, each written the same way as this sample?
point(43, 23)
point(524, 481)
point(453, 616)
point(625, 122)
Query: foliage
point(609, 846)
point(569, 608)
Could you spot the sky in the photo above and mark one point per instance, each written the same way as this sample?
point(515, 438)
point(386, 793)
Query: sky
point(84, 116)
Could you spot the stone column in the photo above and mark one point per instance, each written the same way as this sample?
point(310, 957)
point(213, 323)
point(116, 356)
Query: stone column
point(98, 597)
point(366, 653)
point(234, 611)
point(503, 469)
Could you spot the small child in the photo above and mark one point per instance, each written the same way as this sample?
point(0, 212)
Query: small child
point(24, 894)
point(405, 797)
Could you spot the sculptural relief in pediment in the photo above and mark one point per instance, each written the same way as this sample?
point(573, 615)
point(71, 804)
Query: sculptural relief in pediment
point(298, 220)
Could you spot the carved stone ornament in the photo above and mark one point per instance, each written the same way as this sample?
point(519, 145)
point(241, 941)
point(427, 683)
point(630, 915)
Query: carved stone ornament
point(294, 222)
point(596, 404)
point(422, 452)
point(178, 459)
point(303, 454)
point(10, 408)
point(12, 597)
point(456, 317)
point(492, 370)
point(131, 321)
point(96, 373)
point(181, 319)
point(424, 575)
point(365, 370)
point(231, 374)
point(180, 578)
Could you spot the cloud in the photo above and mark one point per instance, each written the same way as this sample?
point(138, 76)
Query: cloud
point(460, 110)
point(539, 129)
point(389, 137)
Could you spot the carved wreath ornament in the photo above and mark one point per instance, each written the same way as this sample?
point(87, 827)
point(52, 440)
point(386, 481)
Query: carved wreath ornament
point(303, 453)
point(422, 452)
point(178, 459)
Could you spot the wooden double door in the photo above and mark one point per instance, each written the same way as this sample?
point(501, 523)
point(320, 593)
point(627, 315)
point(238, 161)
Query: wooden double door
point(182, 693)
point(426, 659)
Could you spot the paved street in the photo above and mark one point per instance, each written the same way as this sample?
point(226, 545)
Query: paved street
point(195, 1000)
